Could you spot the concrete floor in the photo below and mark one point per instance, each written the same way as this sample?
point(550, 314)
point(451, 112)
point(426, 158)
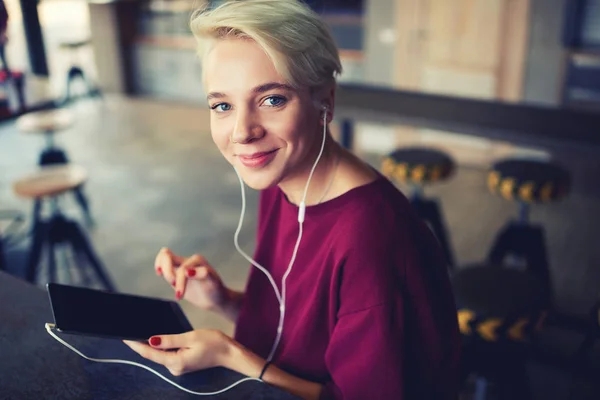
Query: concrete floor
point(157, 180)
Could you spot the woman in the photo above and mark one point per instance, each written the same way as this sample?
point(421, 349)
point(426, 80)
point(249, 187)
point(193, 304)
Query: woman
point(368, 311)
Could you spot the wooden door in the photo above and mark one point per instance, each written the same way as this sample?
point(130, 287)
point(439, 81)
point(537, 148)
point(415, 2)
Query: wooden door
point(473, 48)
point(468, 48)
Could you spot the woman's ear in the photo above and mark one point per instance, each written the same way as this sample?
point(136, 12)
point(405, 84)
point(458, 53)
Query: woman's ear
point(326, 103)
point(330, 102)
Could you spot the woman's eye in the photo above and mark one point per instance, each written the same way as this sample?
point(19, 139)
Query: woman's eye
point(275, 101)
point(221, 107)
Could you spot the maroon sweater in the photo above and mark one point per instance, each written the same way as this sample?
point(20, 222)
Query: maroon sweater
point(369, 309)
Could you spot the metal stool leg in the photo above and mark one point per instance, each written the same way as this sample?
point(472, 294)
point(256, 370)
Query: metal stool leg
point(514, 383)
point(2, 256)
point(52, 274)
point(35, 251)
point(526, 241)
point(84, 204)
point(83, 247)
point(429, 211)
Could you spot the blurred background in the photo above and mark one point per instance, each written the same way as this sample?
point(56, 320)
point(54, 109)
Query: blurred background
point(484, 112)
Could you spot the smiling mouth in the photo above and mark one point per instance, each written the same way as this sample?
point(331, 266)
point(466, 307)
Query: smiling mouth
point(257, 160)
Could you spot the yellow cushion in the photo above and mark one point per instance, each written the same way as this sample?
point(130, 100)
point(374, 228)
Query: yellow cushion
point(529, 181)
point(417, 165)
point(496, 303)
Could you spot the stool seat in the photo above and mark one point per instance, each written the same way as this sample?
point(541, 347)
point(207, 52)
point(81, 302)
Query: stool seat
point(498, 303)
point(50, 181)
point(529, 180)
point(44, 121)
point(417, 165)
point(74, 44)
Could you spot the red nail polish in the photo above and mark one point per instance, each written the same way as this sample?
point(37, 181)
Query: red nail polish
point(191, 272)
point(158, 270)
point(173, 283)
point(155, 341)
point(178, 295)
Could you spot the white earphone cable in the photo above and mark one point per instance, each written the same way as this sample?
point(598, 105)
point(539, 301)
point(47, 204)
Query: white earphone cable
point(110, 361)
point(301, 214)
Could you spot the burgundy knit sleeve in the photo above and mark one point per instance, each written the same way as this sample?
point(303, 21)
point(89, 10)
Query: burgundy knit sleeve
point(365, 355)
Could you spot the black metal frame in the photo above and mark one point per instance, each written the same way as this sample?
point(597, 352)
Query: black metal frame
point(58, 229)
point(429, 211)
point(14, 217)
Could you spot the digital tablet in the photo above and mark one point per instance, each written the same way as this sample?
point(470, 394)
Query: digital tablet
point(105, 314)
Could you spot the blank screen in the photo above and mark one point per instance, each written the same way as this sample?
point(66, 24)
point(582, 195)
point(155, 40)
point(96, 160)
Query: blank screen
point(117, 315)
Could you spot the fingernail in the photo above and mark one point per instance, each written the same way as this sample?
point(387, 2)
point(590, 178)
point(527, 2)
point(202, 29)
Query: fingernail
point(155, 341)
point(173, 283)
point(158, 271)
point(191, 272)
point(178, 295)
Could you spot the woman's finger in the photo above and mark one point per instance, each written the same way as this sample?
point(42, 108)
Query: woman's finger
point(200, 273)
point(182, 275)
point(171, 342)
point(166, 264)
point(167, 261)
point(152, 354)
point(157, 263)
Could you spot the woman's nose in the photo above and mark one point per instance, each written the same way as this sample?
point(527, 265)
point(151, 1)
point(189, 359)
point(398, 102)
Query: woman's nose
point(246, 129)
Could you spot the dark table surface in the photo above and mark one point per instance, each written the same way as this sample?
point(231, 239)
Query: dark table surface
point(33, 365)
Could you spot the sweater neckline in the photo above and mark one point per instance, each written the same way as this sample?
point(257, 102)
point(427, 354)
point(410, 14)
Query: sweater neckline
point(336, 202)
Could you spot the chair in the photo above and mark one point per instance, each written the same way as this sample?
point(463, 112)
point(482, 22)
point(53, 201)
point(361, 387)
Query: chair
point(48, 184)
point(520, 242)
point(500, 311)
point(48, 123)
point(418, 167)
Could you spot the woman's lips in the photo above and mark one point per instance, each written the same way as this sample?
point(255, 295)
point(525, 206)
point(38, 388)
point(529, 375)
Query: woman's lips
point(257, 160)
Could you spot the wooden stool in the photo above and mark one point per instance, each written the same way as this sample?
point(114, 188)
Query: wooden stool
point(76, 71)
point(48, 183)
point(48, 123)
point(499, 311)
point(418, 167)
point(526, 182)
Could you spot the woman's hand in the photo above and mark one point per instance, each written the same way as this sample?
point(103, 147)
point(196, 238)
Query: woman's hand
point(193, 279)
point(206, 348)
point(190, 351)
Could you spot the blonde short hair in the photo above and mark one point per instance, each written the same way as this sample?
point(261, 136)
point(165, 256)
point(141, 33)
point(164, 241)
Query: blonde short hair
point(294, 37)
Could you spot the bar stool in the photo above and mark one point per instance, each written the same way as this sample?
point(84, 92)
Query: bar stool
point(50, 122)
point(500, 311)
point(521, 243)
point(418, 167)
point(48, 184)
point(76, 71)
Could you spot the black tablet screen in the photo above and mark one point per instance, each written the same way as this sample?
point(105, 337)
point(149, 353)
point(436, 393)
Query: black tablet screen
point(99, 313)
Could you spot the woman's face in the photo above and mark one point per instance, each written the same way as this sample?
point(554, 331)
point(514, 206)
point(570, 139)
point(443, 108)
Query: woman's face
point(266, 129)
